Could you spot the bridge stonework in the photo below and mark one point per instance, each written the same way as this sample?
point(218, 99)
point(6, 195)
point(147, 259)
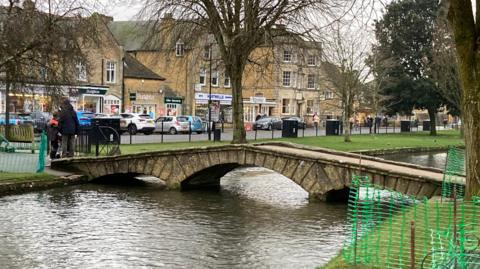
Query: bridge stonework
point(323, 178)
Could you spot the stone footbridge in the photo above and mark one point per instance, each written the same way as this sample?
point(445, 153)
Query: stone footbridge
point(324, 174)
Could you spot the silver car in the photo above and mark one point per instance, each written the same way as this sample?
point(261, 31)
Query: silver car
point(171, 124)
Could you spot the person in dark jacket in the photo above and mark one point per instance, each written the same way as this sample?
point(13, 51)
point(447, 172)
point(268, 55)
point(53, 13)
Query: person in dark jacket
point(68, 127)
point(53, 136)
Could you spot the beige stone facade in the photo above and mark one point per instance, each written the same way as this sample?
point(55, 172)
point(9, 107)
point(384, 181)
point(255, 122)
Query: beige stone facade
point(282, 80)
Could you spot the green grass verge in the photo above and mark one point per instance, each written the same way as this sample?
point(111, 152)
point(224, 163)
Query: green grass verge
point(359, 142)
point(24, 177)
point(433, 229)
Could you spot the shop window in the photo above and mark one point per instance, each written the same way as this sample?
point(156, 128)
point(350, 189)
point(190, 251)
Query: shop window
point(309, 106)
point(287, 56)
point(328, 95)
point(286, 78)
point(311, 81)
point(285, 106)
point(111, 70)
point(179, 47)
point(201, 79)
point(81, 69)
point(311, 60)
point(226, 81)
point(214, 78)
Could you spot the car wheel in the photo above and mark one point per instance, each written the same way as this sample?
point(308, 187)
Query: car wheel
point(173, 131)
point(132, 129)
point(269, 127)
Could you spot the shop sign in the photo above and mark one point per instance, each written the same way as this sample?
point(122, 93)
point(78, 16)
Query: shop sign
point(92, 91)
point(145, 97)
point(132, 96)
point(223, 98)
point(173, 100)
point(257, 100)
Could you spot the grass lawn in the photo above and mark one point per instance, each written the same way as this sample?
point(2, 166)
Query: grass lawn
point(24, 177)
point(359, 142)
point(389, 243)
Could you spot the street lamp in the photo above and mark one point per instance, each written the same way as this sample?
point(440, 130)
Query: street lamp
point(210, 94)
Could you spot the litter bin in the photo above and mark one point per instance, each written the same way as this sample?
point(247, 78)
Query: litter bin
point(217, 134)
point(426, 125)
point(332, 127)
point(106, 134)
point(290, 128)
point(405, 126)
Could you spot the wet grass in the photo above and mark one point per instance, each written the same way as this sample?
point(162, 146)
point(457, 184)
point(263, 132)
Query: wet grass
point(24, 177)
point(359, 142)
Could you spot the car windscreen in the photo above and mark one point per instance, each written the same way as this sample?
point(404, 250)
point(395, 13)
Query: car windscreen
point(182, 119)
point(144, 116)
point(126, 116)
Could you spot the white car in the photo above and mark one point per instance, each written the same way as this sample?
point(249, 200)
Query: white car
point(134, 123)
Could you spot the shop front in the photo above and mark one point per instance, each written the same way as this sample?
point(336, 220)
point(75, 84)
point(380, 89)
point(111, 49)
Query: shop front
point(88, 98)
point(221, 106)
point(257, 106)
point(27, 99)
point(173, 106)
point(145, 103)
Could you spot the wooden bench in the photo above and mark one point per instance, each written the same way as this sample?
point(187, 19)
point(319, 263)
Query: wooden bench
point(21, 134)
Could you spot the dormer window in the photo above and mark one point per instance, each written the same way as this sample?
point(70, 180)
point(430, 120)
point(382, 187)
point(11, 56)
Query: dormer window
point(179, 47)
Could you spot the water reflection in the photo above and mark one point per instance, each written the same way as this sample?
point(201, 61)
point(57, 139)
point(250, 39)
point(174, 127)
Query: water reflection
point(434, 159)
point(258, 220)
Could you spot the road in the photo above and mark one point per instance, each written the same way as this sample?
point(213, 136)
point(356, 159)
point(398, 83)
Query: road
point(251, 135)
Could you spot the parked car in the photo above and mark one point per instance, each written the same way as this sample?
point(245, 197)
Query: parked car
point(84, 117)
point(196, 124)
point(301, 122)
point(134, 123)
point(268, 123)
point(40, 120)
point(101, 115)
point(171, 124)
point(14, 119)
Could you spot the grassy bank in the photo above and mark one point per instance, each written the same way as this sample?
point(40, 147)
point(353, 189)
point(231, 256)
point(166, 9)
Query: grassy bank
point(359, 142)
point(24, 177)
point(389, 243)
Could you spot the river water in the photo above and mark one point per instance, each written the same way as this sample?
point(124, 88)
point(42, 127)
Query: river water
point(259, 219)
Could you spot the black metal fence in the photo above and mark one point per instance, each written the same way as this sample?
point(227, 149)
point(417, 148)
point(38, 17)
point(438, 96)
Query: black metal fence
point(226, 134)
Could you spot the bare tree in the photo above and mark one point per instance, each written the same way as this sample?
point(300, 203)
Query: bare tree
point(239, 27)
point(41, 43)
point(345, 66)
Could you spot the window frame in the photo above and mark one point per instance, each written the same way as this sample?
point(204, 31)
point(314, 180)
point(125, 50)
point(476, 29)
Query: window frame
point(286, 107)
point(202, 74)
point(212, 77)
point(288, 53)
point(179, 49)
point(285, 78)
point(309, 106)
point(314, 81)
point(81, 69)
point(309, 57)
point(111, 71)
point(328, 95)
point(225, 79)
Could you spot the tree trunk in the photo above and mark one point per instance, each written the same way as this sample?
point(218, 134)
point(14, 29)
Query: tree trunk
point(346, 122)
point(239, 134)
point(464, 27)
point(433, 123)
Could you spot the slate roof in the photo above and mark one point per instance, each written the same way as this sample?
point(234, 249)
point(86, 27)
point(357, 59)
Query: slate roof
point(135, 69)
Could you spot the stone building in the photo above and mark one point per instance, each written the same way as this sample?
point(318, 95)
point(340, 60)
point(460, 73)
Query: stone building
point(283, 77)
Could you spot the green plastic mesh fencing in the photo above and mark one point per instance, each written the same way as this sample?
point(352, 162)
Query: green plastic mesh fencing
point(453, 173)
point(15, 159)
point(392, 230)
point(42, 153)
